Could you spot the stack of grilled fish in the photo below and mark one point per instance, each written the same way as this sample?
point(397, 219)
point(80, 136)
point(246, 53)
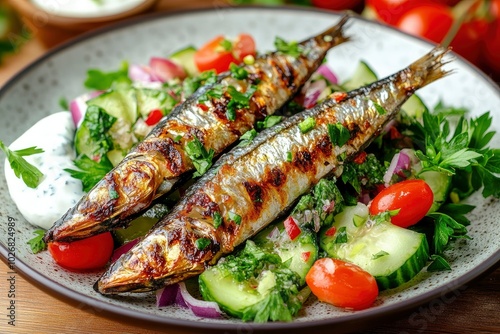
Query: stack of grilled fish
point(248, 187)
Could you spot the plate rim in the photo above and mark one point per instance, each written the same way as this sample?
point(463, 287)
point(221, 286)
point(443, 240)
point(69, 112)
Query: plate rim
point(359, 318)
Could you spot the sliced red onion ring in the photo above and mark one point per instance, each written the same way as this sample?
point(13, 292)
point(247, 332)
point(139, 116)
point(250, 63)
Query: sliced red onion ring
point(78, 106)
point(399, 162)
point(123, 249)
point(313, 92)
point(274, 234)
point(327, 73)
point(167, 295)
point(163, 69)
point(328, 206)
point(200, 308)
point(139, 73)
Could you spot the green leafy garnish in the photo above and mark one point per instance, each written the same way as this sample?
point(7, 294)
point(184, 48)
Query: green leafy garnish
point(438, 264)
point(191, 84)
point(201, 158)
point(90, 172)
point(238, 72)
point(63, 103)
point(247, 137)
point(238, 101)
point(341, 236)
point(379, 108)
point(289, 156)
point(226, 44)
point(113, 194)
point(268, 122)
point(236, 218)
point(23, 169)
point(339, 134)
point(98, 122)
point(217, 219)
point(99, 80)
point(292, 48)
point(202, 243)
point(307, 125)
point(37, 244)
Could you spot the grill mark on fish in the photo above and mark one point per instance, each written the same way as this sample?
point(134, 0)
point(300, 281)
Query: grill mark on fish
point(264, 162)
point(217, 133)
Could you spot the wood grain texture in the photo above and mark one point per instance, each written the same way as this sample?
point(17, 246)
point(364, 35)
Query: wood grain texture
point(472, 309)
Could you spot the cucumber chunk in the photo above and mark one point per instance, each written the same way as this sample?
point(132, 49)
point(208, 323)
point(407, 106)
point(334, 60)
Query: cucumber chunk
point(185, 58)
point(363, 75)
point(440, 184)
point(150, 99)
point(393, 255)
point(414, 107)
point(120, 103)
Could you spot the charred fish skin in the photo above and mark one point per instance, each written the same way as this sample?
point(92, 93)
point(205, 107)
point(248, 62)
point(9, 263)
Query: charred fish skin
point(249, 186)
point(156, 164)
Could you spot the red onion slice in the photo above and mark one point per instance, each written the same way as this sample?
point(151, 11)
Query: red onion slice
point(313, 92)
point(327, 73)
point(139, 73)
point(78, 106)
point(167, 295)
point(200, 308)
point(399, 162)
point(164, 70)
point(123, 249)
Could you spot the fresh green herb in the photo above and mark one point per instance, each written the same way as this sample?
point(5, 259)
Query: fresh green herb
point(201, 158)
point(307, 125)
point(358, 220)
point(226, 44)
point(341, 236)
point(438, 264)
point(238, 72)
point(37, 244)
point(238, 101)
point(293, 108)
point(113, 194)
point(191, 84)
point(292, 48)
point(98, 122)
point(23, 169)
point(63, 103)
point(217, 219)
point(446, 229)
point(289, 156)
point(177, 138)
point(379, 108)
point(99, 80)
point(382, 217)
point(90, 172)
point(215, 92)
point(339, 134)
point(202, 243)
point(236, 218)
point(379, 255)
point(268, 122)
point(247, 138)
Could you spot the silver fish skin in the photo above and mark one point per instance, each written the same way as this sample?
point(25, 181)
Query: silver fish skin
point(250, 186)
point(156, 164)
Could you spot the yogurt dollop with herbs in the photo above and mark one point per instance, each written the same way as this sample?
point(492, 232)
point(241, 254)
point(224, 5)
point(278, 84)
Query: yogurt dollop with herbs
point(86, 8)
point(58, 191)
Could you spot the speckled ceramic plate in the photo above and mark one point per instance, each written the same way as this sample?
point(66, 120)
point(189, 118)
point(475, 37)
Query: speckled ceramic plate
point(35, 93)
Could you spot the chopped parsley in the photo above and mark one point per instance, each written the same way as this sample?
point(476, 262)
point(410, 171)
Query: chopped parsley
point(307, 125)
point(113, 194)
point(238, 101)
point(269, 121)
point(226, 44)
point(202, 243)
point(238, 72)
point(247, 137)
point(99, 80)
point(191, 84)
point(201, 158)
point(236, 218)
point(379, 108)
point(98, 122)
point(341, 236)
point(63, 103)
point(292, 48)
point(217, 217)
point(339, 134)
point(37, 244)
point(289, 156)
point(23, 169)
point(90, 171)
point(177, 138)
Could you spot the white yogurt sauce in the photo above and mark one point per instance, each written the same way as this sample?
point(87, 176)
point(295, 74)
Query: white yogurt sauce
point(86, 8)
point(58, 191)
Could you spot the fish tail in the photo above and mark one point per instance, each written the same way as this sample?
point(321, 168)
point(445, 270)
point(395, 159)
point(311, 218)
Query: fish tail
point(333, 35)
point(427, 69)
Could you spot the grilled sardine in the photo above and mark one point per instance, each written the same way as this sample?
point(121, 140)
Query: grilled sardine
point(213, 117)
point(250, 186)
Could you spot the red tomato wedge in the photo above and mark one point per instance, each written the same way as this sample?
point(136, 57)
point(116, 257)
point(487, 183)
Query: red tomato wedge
point(291, 228)
point(342, 284)
point(413, 199)
point(83, 255)
point(220, 52)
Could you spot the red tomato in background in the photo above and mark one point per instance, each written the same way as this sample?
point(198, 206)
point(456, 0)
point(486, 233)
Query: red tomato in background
point(212, 56)
point(413, 199)
point(467, 41)
point(390, 11)
point(490, 44)
point(83, 255)
point(336, 4)
point(429, 21)
point(342, 284)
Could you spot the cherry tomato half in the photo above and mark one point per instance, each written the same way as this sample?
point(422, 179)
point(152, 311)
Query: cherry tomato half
point(413, 199)
point(220, 52)
point(342, 284)
point(83, 255)
point(429, 21)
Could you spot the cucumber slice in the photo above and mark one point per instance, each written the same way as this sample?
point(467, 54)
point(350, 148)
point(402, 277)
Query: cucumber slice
point(393, 255)
point(414, 106)
point(363, 75)
point(299, 254)
point(440, 183)
point(150, 99)
point(185, 58)
point(120, 103)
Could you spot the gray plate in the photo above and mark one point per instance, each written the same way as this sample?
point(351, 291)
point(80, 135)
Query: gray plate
point(35, 93)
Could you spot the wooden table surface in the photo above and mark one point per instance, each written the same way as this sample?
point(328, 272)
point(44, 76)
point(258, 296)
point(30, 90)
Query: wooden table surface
point(472, 309)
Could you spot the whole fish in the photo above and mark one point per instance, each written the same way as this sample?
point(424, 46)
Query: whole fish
point(250, 186)
point(215, 116)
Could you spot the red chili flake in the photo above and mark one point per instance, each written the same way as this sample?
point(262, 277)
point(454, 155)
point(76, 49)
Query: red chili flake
point(360, 158)
point(394, 133)
point(291, 228)
point(331, 231)
point(306, 256)
point(203, 106)
point(339, 96)
point(154, 117)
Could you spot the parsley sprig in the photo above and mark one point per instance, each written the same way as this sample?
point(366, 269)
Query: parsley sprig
point(238, 100)
point(90, 172)
point(23, 169)
point(201, 158)
point(36, 243)
point(291, 48)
